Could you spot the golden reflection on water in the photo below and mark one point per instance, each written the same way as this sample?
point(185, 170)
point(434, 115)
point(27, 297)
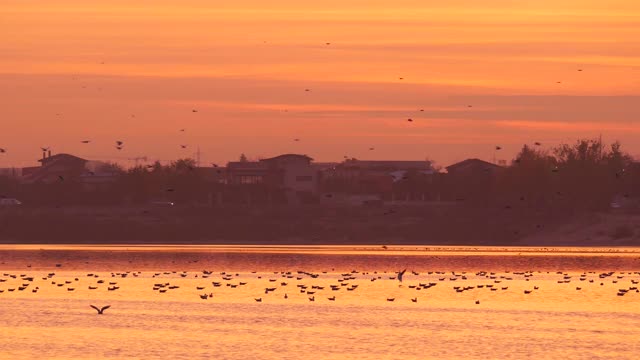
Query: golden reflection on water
point(492, 318)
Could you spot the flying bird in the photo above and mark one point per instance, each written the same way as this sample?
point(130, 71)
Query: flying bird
point(410, 120)
point(119, 143)
point(537, 143)
point(498, 148)
point(85, 141)
point(3, 150)
point(400, 274)
point(101, 310)
point(194, 110)
point(183, 146)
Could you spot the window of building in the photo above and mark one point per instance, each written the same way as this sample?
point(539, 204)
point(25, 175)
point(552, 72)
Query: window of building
point(250, 179)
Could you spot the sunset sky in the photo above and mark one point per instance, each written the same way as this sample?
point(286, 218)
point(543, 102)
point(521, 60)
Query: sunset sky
point(486, 73)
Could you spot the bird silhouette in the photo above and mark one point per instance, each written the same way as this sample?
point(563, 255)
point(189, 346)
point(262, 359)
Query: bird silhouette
point(183, 146)
point(100, 310)
point(3, 150)
point(85, 141)
point(119, 143)
point(498, 148)
point(400, 274)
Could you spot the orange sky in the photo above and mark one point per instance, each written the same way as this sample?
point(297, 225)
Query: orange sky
point(120, 70)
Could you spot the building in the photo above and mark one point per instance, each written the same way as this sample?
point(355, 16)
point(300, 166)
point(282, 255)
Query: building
point(293, 174)
point(93, 175)
point(246, 172)
point(15, 173)
point(473, 167)
point(471, 180)
point(373, 177)
point(54, 168)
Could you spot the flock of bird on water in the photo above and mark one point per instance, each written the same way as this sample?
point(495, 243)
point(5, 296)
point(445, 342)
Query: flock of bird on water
point(491, 281)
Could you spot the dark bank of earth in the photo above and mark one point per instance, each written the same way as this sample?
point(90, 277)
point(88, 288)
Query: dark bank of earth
point(433, 224)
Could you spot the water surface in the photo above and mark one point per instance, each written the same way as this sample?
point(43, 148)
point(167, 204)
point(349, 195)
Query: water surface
point(553, 321)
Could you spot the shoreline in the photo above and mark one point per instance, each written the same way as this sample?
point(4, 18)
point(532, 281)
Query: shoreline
point(331, 259)
point(410, 227)
point(372, 249)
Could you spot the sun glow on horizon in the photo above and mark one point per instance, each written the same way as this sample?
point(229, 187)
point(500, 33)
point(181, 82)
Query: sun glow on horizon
point(336, 75)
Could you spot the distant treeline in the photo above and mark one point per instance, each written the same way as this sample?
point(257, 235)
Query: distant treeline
point(586, 175)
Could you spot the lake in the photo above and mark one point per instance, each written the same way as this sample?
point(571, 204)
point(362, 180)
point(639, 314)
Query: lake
point(200, 302)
